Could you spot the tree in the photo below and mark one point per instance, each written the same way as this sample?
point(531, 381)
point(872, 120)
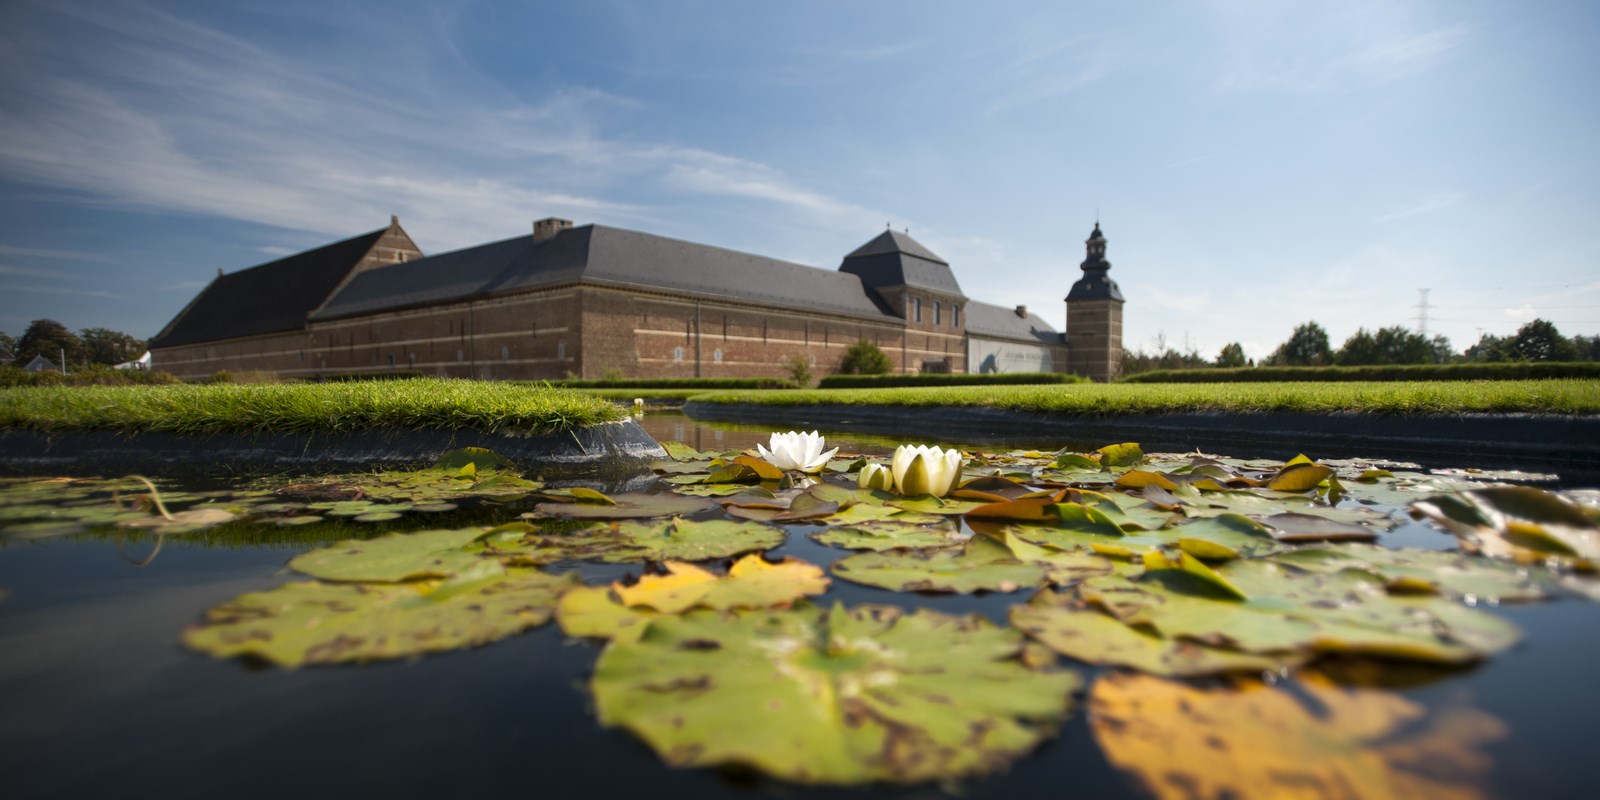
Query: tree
point(1540, 341)
point(1588, 347)
point(1490, 348)
point(1232, 355)
point(8, 345)
point(1443, 353)
point(1392, 345)
point(1307, 347)
point(48, 338)
point(106, 346)
point(864, 358)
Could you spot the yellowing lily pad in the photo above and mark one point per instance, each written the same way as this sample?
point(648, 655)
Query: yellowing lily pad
point(629, 505)
point(847, 696)
point(888, 535)
point(1251, 741)
point(321, 623)
point(630, 541)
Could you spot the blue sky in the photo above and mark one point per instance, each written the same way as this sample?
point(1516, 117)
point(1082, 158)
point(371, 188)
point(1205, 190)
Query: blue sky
point(1254, 164)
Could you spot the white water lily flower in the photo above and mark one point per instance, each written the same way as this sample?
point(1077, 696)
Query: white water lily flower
point(876, 476)
point(926, 470)
point(799, 451)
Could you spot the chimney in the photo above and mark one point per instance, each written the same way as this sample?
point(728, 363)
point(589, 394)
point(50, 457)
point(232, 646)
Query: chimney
point(1022, 311)
point(548, 227)
point(394, 219)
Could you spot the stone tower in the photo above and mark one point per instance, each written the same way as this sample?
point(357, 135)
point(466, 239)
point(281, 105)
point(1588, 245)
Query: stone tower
point(1094, 316)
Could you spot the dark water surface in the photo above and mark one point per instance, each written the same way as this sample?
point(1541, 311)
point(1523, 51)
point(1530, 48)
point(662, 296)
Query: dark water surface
point(99, 699)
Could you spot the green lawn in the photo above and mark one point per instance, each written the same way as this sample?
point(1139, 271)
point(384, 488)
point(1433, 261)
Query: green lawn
point(1562, 396)
point(627, 395)
point(283, 408)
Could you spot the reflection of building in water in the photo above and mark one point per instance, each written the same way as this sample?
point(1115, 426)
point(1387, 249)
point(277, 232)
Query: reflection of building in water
point(592, 301)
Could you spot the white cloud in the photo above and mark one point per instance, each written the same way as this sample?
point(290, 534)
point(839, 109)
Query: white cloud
point(1433, 202)
point(1522, 313)
point(25, 289)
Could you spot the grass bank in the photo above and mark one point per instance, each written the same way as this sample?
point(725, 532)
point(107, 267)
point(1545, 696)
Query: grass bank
point(1392, 372)
point(426, 403)
point(1570, 396)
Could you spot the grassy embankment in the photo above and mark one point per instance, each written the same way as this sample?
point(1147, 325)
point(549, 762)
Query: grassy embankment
point(284, 408)
point(1410, 397)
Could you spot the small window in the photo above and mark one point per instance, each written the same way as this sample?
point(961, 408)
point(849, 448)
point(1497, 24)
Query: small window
point(937, 312)
point(411, 359)
point(677, 354)
point(916, 309)
point(505, 354)
point(391, 361)
point(716, 355)
point(812, 359)
point(955, 315)
point(461, 356)
point(561, 350)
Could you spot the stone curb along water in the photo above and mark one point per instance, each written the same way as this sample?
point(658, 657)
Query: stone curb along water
point(1566, 444)
point(604, 449)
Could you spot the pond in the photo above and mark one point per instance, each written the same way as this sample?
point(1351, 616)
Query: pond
point(102, 697)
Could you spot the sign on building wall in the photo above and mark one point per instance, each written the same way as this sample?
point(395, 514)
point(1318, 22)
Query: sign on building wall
point(990, 356)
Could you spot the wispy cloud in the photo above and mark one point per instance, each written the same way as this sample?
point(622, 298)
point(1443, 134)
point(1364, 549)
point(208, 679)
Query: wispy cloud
point(1521, 313)
point(25, 272)
point(1434, 202)
point(211, 123)
point(27, 289)
point(35, 252)
point(1400, 56)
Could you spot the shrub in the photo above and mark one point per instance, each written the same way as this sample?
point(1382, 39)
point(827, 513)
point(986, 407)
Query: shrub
point(800, 370)
point(865, 358)
point(955, 379)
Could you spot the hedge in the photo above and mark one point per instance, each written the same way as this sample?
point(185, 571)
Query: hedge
point(1503, 371)
point(678, 383)
point(946, 379)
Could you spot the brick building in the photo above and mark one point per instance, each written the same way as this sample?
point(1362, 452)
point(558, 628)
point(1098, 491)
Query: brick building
point(594, 300)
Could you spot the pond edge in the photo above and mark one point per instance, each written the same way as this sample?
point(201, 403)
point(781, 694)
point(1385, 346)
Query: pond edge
point(603, 449)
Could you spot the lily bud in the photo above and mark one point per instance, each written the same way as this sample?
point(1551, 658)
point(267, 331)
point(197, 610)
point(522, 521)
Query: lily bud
point(926, 470)
point(876, 476)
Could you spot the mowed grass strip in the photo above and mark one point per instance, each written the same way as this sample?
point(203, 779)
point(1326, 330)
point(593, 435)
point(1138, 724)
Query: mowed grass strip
point(1569, 396)
point(288, 408)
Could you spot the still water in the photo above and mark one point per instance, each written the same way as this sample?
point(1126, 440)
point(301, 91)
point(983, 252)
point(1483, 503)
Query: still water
point(98, 698)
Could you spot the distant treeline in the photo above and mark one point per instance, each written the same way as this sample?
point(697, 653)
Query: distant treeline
point(1503, 371)
point(946, 379)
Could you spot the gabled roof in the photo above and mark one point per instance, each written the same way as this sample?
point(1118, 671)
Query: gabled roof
point(895, 259)
point(984, 319)
point(597, 254)
point(268, 298)
point(41, 364)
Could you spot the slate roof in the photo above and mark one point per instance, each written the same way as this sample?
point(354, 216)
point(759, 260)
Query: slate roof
point(983, 319)
point(269, 298)
point(597, 254)
point(896, 259)
point(1095, 284)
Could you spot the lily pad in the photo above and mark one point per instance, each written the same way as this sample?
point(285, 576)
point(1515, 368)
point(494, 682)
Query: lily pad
point(321, 623)
point(847, 696)
point(629, 505)
point(1250, 740)
point(1412, 571)
point(393, 558)
point(982, 565)
point(752, 582)
point(626, 542)
point(888, 535)
point(1096, 638)
point(1294, 527)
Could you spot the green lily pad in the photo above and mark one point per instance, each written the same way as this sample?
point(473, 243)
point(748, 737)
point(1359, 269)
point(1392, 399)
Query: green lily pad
point(393, 558)
point(982, 565)
point(478, 457)
point(321, 623)
point(629, 505)
point(1096, 638)
point(1295, 527)
point(881, 536)
point(928, 504)
point(855, 696)
point(592, 612)
point(1411, 571)
point(628, 542)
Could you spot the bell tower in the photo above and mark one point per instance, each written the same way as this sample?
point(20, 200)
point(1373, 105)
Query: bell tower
point(1094, 316)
